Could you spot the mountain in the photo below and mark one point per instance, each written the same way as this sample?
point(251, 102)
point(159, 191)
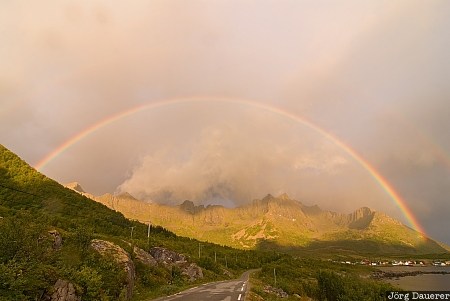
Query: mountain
point(75, 186)
point(280, 223)
point(58, 244)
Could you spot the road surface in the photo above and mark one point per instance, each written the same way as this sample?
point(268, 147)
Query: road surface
point(231, 290)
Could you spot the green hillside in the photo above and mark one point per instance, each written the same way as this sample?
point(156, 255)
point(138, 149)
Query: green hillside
point(32, 205)
point(23, 188)
point(35, 211)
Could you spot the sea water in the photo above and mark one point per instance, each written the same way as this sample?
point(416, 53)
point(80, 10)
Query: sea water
point(420, 282)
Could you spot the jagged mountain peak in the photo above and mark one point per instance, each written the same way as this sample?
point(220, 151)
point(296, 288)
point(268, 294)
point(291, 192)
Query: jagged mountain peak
point(282, 199)
point(361, 218)
point(75, 186)
point(361, 213)
point(190, 207)
point(364, 210)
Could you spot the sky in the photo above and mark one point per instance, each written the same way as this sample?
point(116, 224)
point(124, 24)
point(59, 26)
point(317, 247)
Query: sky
point(234, 95)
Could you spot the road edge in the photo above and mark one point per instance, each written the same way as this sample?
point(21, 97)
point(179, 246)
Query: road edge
point(249, 285)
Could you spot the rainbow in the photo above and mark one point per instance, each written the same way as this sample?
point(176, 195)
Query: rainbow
point(387, 187)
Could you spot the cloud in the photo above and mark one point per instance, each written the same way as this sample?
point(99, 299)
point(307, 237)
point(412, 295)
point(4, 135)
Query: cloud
point(372, 73)
point(223, 164)
point(228, 161)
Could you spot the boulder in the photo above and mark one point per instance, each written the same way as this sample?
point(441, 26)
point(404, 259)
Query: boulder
point(63, 290)
point(144, 257)
point(171, 258)
point(121, 257)
point(166, 256)
point(275, 291)
point(192, 271)
point(57, 239)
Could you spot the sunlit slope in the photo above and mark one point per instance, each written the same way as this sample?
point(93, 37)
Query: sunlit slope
point(280, 223)
point(51, 234)
point(22, 187)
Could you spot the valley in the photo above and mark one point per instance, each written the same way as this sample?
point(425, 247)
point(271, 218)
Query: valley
point(60, 244)
point(224, 150)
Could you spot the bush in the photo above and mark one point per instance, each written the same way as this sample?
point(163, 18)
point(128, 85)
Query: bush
point(209, 264)
point(89, 284)
point(335, 287)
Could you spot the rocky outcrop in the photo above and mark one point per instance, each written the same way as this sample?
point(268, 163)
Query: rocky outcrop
point(396, 274)
point(170, 258)
point(121, 257)
point(75, 186)
point(190, 207)
point(275, 291)
point(192, 271)
point(57, 239)
point(144, 257)
point(166, 256)
point(63, 290)
point(359, 214)
point(361, 218)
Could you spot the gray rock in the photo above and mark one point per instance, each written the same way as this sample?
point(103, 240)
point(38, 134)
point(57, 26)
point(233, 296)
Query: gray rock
point(57, 239)
point(121, 257)
point(275, 291)
point(166, 256)
point(144, 257)
point(171, 258)
point(193, 271)
point(63, 290)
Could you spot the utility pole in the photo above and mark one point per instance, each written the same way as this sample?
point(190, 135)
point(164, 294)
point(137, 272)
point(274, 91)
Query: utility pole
point(226, 262)
point(132, 228)
point(148, 233)
point(199, 250)
point(215, 256)
point(275, 276)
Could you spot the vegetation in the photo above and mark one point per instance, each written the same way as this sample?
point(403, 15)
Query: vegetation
point(315, 279)
point(31, 205)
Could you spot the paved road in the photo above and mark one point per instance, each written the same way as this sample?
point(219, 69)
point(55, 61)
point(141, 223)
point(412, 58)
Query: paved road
point(232, 290)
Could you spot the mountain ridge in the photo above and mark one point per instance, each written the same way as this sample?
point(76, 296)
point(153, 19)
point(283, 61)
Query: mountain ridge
point(279, 221)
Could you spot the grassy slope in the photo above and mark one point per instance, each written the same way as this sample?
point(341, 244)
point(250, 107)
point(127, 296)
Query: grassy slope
point(29, 266)
point(31, 204)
